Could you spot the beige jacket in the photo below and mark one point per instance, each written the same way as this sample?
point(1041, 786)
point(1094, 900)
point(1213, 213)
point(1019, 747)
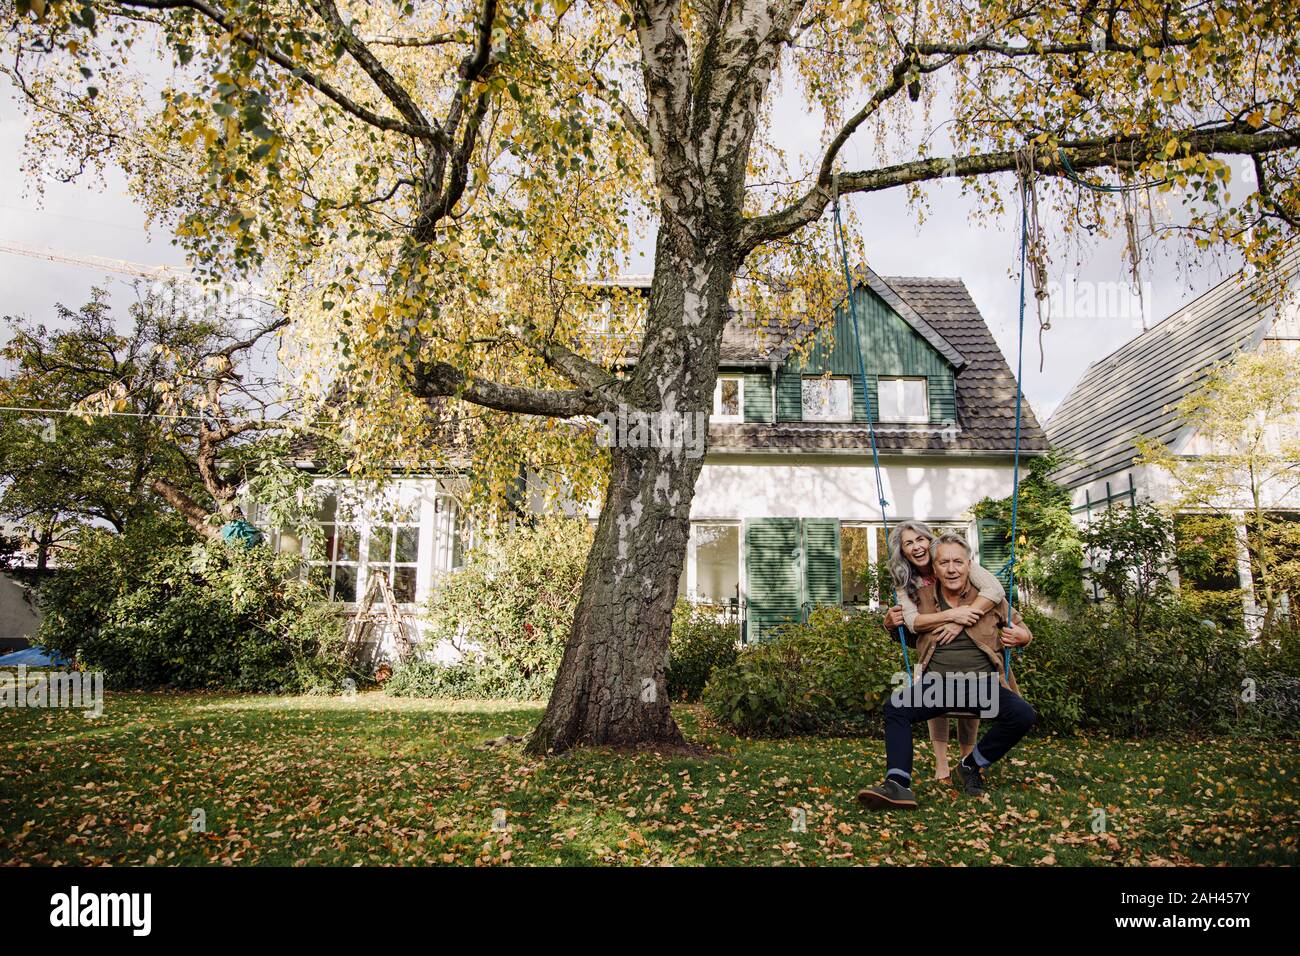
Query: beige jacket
point(986, 632)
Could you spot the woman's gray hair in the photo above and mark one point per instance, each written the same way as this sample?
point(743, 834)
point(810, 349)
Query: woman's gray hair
point(904, 575)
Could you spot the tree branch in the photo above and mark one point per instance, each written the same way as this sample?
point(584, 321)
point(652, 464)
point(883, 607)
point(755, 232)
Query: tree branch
point(321, 85)
point(442, 380)
point(1099, 153)
point(189, 509)
point(357, 49)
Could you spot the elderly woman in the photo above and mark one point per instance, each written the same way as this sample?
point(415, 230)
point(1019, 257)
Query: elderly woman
point(910, 546)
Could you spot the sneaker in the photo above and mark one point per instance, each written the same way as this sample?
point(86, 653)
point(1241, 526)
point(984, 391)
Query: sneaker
point(890, 795)
point(970, 782)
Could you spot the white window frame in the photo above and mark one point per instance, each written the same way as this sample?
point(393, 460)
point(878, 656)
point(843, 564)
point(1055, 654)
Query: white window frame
point(389, 565)
point(829, 416)
point(922, 417)
point(691, 571)
point(717, 415)
point(871, 530)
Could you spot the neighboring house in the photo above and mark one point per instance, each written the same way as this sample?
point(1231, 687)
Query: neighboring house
point(785, 515)
point(1133, 392)
point(19, 616)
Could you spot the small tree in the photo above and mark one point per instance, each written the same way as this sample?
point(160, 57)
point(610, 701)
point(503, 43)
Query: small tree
point(1243, 462)
point(1048, 549)
point(163, 413)
point(1131, 549)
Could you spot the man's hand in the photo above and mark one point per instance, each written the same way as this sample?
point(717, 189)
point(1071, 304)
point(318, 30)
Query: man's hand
point(947, 632)
point(1017, 635)
point(964, 615)
point(894, 617)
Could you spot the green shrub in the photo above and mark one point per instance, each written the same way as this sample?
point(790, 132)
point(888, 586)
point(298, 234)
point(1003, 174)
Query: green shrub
point(1184, 675)
point(150, 613)
point(458, 681)
point(832, 673)
point(700, 643)
point(509, 611)
point(1092, 672)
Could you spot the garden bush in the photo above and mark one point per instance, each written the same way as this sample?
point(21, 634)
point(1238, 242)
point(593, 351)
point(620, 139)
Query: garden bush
point(508, 611)
point(455, 681)
point(149, 613)
point(700, 643)
point(830, 674)
point(1183, 674)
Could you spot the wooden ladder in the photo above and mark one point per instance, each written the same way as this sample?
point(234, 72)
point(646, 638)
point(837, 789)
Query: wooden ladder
point(368, 616)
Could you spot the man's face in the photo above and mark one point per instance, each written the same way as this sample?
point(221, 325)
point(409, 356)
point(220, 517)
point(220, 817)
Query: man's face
point(952, 566)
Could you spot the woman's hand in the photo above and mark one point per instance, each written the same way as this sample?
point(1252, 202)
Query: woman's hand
point(1017, 635)
point(964, 615)
point(946, 633)
point(894, 617)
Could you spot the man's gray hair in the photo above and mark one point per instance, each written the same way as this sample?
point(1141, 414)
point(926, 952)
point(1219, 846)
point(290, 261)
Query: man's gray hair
point(950, 537)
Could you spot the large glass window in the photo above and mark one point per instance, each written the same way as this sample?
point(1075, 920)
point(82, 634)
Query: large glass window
point(717, 563)
point(394, 551)
point(855, 564)
point(451, 534)
point(827, 399)
point(355, 548)
point(903, 400)
point(342, 550)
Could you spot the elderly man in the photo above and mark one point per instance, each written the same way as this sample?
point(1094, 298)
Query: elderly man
point(952, 662)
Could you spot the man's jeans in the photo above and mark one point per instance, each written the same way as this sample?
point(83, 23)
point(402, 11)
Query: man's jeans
point(1013, 721)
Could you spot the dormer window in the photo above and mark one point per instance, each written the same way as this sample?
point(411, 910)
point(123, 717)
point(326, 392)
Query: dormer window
point(729, 399)
point(827, 399)
point(903, 400)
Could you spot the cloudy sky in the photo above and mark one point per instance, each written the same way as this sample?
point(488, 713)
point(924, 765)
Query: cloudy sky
point(94, 218)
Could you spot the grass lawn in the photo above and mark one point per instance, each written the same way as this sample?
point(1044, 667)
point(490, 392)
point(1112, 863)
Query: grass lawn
point(374, 780)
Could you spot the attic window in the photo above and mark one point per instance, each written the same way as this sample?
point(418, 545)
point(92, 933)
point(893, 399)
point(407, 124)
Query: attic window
point(903, 400)
point(827, 399)
point(729, 399)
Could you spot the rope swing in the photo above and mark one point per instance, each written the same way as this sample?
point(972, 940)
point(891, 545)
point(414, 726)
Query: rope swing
point(866, 394)
point(1023, 176)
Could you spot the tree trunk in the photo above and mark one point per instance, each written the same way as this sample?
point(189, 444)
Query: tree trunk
point(610, 688)
point(700, 124)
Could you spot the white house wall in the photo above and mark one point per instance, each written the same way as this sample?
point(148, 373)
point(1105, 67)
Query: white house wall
point(774, 486)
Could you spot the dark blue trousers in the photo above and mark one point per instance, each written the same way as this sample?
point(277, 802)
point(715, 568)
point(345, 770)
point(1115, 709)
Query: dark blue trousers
point(1013, 721)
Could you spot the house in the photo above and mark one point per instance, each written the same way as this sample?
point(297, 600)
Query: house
point(786, 514)
point(1134, 391)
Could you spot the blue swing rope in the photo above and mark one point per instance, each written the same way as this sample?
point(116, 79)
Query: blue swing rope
point(866, 397)
point(1020, 362)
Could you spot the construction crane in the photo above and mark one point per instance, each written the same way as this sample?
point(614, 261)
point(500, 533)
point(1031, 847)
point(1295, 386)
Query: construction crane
point(119, 266)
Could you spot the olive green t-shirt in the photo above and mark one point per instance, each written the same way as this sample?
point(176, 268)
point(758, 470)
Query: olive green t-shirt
point(961, 655)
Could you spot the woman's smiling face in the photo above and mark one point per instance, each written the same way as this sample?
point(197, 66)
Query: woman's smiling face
point(916, 548)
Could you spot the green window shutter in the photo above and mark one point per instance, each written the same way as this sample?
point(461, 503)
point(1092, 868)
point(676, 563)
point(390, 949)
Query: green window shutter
point(758, 397)
point(995, 548)
point(771, 575)
point(789, 394)
point(821, 537)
